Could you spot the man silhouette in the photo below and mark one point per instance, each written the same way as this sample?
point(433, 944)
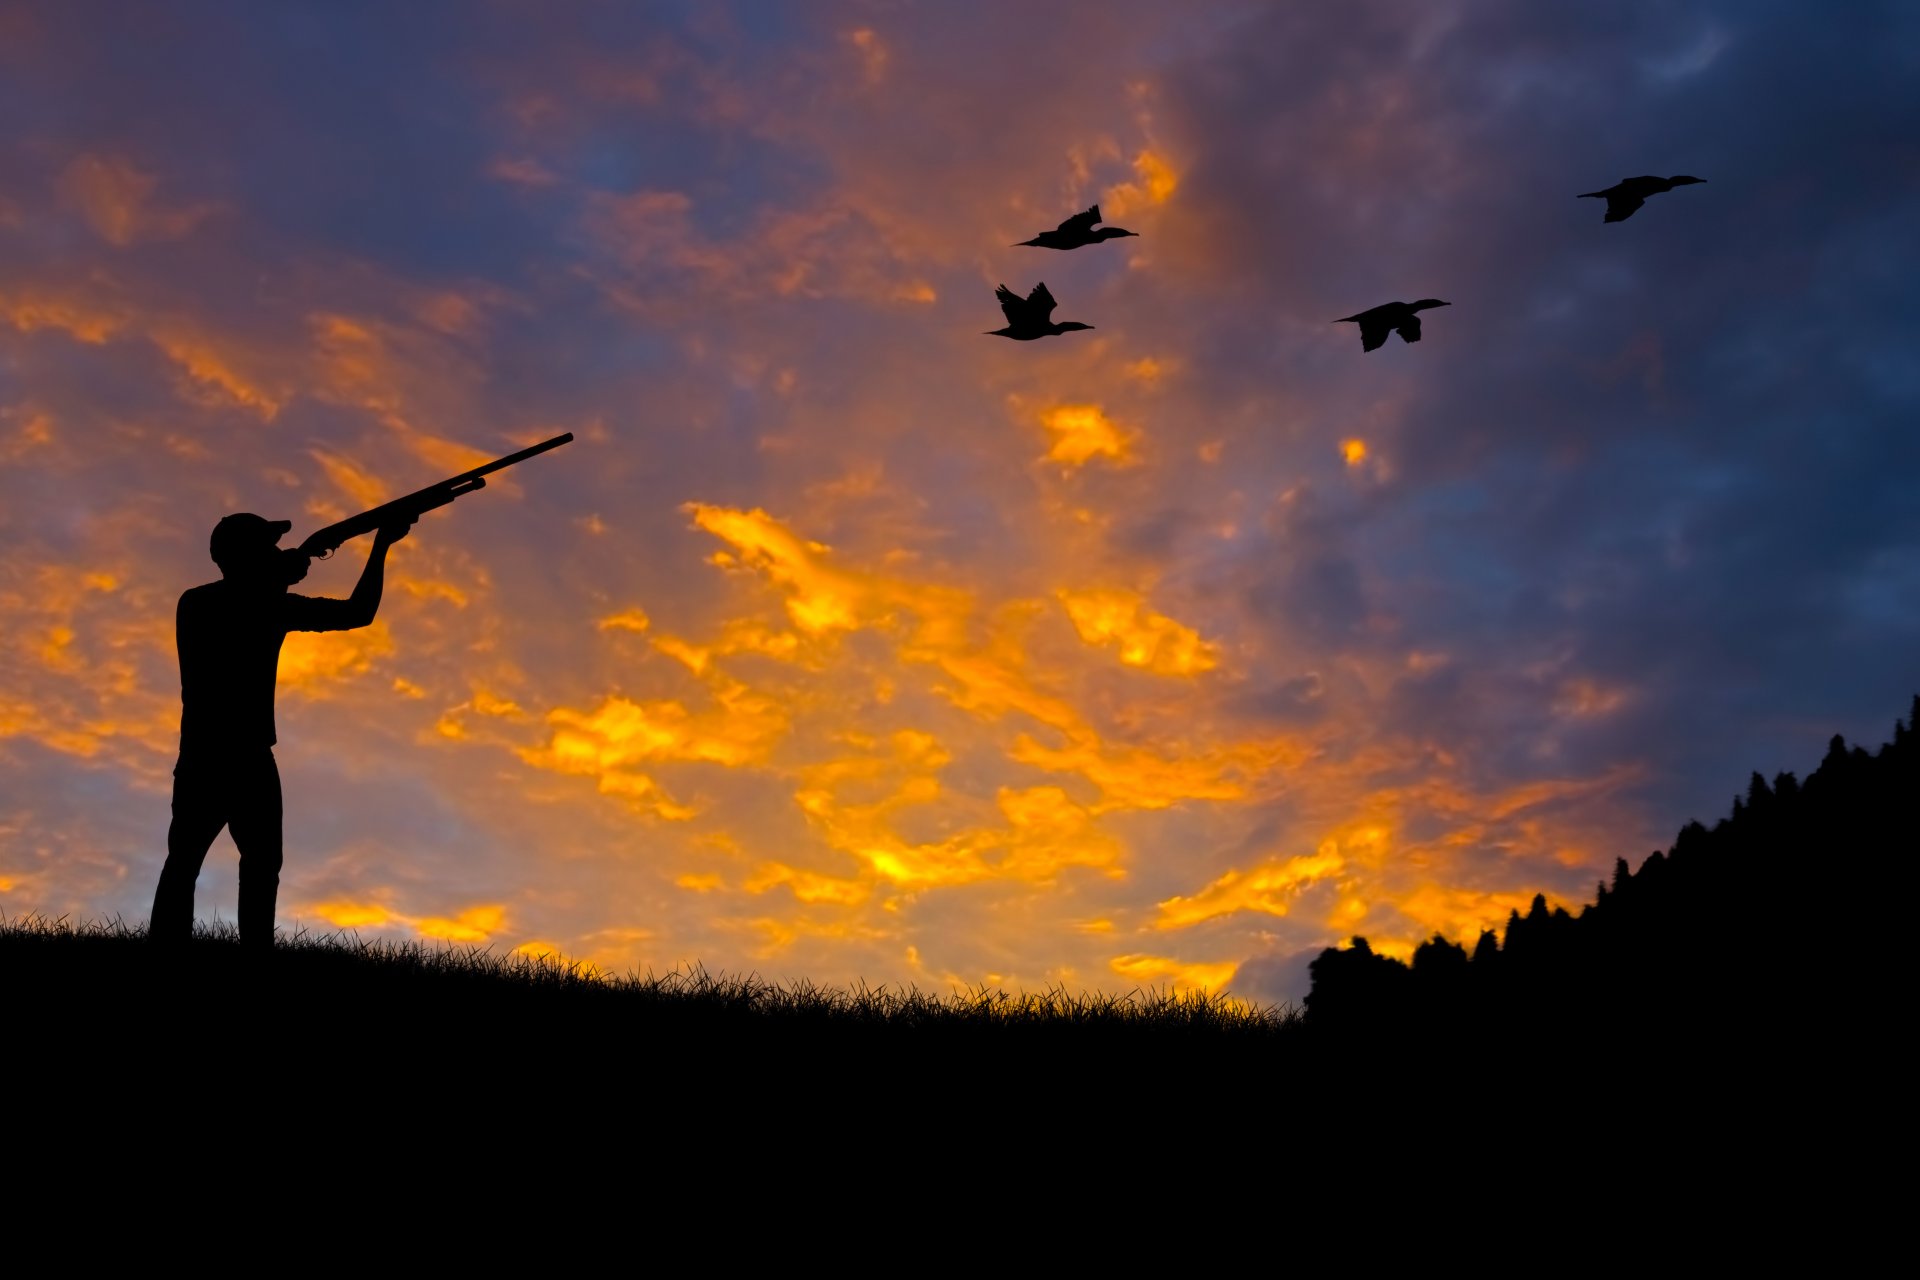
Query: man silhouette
point(229, 635)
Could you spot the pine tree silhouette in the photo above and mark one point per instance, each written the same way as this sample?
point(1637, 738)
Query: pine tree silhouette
point(1687, 950)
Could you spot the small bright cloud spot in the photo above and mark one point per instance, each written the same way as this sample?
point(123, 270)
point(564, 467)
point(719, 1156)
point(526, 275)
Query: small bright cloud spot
point(1354, 451)
point(1081, 433)
point(634, 619)
point(1154, 183)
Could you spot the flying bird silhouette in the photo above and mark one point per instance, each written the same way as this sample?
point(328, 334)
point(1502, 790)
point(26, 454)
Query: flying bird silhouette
point(1628, 194)
point(1029, 318)
point(1076, 231)
point(1390, 317)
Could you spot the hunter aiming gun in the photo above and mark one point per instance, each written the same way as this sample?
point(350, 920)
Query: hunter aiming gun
point(320, 545)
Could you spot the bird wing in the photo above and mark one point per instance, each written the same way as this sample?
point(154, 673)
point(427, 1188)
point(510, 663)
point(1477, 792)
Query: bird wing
point(1373, 331)
point(1010, 305)
point(1040, 303)
point(1081, 222)
point(1621, 204)
point(1409, 330)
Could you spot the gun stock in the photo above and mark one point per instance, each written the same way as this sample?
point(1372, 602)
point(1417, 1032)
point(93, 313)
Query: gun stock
point(323, 542)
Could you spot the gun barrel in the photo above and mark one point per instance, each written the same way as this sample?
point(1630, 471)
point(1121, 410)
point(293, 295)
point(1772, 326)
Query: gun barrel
point(323, 541)
point(500, 463)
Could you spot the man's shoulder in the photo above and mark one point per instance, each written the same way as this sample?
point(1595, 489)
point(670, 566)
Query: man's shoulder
point(205, 593)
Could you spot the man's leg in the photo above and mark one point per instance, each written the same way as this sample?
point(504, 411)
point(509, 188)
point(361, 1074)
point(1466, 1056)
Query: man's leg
point(198, 816)
point(256, 831)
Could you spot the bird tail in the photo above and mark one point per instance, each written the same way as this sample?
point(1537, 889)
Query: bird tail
point(1591, 195)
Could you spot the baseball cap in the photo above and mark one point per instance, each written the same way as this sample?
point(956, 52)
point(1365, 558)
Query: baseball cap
point(243, 531)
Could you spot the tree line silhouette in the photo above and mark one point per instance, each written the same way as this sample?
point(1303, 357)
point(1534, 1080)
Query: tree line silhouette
point(1780, 915)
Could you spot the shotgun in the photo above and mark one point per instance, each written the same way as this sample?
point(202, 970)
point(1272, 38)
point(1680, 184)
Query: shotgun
point(320, 545)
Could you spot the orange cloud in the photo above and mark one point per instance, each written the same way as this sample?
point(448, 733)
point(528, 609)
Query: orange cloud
point(1181, 975)
point(313, 662)
point(1082, 432)
point(1460, 912)
point(473, 924)
point(85, 322)
point(819, 598)
point(1269, 887)
point(213, 372)
point(634, 619)
point(809, 886)
point(1154, 183)
point(116, 199)
point(1044, 831)
point(1145, 639)
point(608, 742)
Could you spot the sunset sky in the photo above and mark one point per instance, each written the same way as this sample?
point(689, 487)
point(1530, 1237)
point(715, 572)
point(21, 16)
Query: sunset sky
point(848, 643)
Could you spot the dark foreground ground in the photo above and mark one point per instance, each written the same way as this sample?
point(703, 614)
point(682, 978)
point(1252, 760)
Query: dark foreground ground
point(413, 1031)
point(343, 1084)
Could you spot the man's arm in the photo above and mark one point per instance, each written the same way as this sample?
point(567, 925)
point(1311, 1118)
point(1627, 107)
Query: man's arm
point(307, 613)
point(365, 600)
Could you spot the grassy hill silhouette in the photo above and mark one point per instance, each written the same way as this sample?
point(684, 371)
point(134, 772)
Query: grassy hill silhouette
point(1722, 1005)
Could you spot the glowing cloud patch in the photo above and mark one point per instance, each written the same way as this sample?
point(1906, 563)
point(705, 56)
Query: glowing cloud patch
point(1353, 451)
point(313, 661)
point(607, 742)
point(475, 924)
point(634, 619)
point(353, 915)
point(1082, 432)
point(1154, 183)
point(81, 321)
point(364, 490)
point(1270, 888)
point(808, 886)
point(214, 376)
point(1461, 913)
point(820, 598)
point(1181, 975)
point(1145, 639)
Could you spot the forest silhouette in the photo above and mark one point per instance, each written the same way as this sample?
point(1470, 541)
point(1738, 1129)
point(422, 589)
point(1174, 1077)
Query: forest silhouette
point(1723, 937)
